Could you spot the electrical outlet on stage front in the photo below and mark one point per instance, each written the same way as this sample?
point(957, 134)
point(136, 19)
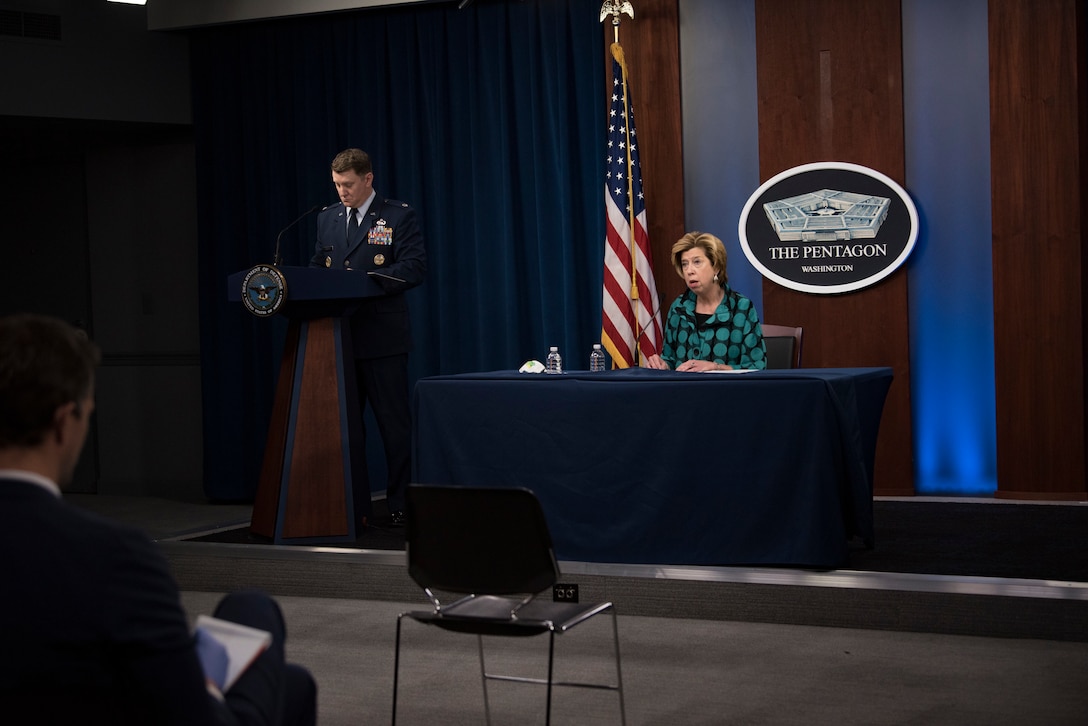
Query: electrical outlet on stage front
point(565, 593)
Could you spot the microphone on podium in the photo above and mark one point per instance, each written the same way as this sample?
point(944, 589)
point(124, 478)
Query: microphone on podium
point(276, 256)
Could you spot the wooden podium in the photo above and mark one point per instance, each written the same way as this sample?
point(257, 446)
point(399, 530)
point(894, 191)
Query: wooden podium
point(314, 449)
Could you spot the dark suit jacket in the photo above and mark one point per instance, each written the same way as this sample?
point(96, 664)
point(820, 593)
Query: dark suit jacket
point(94, 632)
point(389, 242)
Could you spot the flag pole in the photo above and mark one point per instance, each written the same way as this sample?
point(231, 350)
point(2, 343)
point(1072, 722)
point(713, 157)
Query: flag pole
point(615, 8)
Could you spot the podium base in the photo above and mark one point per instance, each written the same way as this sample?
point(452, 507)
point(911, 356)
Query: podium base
point(306, 491)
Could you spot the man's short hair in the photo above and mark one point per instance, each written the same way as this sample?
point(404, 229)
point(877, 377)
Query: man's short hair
point(355, 160)
point(44, 364)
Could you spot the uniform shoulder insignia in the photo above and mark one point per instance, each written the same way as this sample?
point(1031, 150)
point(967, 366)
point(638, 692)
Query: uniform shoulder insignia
point(396, 203)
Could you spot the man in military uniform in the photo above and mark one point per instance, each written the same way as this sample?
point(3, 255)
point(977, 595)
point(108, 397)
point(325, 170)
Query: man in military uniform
point(378, 237)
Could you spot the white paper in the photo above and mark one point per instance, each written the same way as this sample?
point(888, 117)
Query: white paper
point(242, 642)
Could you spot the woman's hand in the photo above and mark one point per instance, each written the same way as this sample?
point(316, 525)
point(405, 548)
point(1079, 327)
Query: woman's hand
point(655, 362)
point(695, 366)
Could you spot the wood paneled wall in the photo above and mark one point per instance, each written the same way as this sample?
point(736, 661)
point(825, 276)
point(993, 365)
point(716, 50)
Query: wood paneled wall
point(1038, 155)
point(830, 88)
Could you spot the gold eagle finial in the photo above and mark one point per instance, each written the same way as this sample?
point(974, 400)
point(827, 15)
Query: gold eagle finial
point(615, 8)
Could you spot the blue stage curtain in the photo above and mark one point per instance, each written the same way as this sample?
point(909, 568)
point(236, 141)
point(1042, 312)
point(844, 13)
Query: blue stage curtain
point(488, 120)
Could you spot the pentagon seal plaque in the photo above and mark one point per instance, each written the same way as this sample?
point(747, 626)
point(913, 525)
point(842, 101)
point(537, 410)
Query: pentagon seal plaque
point(828, 227)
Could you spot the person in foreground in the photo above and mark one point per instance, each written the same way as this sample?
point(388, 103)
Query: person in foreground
point(378, 237)
point(94, 631)
point(710, 326)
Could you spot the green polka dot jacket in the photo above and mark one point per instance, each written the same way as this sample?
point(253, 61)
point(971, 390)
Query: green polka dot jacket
point(732, 335)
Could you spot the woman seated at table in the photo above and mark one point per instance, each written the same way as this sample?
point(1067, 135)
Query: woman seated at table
point(710, 327)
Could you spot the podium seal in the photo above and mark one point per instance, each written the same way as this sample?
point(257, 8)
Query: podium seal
point(264, 290)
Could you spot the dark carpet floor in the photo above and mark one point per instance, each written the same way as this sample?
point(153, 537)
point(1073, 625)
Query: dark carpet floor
point(1039, 542)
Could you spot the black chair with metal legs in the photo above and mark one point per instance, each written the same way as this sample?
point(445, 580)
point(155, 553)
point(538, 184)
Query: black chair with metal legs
point(491, 549)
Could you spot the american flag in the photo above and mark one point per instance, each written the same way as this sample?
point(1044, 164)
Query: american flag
point(631, 315)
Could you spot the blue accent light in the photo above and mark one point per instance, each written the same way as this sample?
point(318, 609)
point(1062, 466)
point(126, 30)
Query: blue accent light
point(721, 129)
point(946, 106)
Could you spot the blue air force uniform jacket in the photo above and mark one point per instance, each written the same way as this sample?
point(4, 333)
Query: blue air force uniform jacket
point(389, 242)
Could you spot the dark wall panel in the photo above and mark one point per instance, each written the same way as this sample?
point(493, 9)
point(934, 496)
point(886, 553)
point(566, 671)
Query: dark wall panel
point(1037, 113)
point(830, 88)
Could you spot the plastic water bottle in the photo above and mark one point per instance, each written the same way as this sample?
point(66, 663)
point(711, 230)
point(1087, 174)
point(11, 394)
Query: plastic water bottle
point(596, 359)
point(554, 364)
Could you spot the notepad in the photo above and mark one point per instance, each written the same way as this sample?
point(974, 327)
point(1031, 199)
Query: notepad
point(243, 644)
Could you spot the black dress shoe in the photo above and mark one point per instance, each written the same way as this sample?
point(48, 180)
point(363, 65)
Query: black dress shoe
point(397, 519)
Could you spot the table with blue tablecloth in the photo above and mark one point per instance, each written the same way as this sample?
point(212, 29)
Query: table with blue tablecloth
point(659, 467)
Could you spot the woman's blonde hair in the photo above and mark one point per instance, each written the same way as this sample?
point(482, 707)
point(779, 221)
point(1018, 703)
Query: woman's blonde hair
point(711, 246)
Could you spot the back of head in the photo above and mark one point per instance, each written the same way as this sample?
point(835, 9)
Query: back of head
point(44, 363)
